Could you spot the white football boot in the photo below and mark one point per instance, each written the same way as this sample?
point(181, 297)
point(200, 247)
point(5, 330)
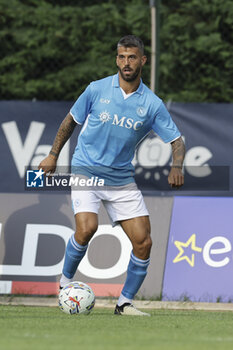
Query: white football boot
point(129, 310)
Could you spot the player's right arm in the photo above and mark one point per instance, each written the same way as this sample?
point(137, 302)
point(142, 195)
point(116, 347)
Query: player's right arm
point(64, 133)
point(78, 114)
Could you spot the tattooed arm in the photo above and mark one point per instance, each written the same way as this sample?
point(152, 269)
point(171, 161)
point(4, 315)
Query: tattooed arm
point(64, 132)
point(176, 177)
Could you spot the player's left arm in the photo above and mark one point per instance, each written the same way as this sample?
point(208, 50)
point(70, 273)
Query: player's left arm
point(176, 176)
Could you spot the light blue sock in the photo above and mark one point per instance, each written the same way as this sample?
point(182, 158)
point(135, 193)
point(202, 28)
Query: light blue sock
point(74, 254)
point(136, 273)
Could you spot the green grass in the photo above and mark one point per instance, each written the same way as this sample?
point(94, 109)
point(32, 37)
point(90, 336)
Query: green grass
point(24, 328)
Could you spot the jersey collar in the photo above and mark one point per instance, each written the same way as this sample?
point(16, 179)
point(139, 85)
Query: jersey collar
point(115, 83)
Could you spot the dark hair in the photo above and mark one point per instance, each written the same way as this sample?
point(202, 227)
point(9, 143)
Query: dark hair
point(131, 41)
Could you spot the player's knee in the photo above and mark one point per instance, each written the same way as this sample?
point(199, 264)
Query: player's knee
point(85, 233)
point(143, 248)
point(147, 244)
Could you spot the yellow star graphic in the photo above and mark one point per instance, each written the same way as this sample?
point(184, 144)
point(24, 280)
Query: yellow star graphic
point(180, 245)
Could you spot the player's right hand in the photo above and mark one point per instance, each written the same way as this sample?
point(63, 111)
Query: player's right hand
point(48, 164)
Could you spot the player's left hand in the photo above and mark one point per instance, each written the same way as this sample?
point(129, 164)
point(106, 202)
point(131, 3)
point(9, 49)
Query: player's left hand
point(176, 178)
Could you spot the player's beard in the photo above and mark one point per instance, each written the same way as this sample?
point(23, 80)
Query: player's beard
point(132, 77)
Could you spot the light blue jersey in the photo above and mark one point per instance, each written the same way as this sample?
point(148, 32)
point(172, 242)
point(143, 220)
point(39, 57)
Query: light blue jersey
point(114, 125)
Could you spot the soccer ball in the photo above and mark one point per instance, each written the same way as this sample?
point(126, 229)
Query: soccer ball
point(76, 298)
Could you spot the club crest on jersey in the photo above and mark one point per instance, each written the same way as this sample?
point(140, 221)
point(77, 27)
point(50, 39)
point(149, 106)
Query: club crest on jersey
point(141, 111)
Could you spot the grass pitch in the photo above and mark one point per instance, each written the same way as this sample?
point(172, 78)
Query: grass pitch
point(25, 328)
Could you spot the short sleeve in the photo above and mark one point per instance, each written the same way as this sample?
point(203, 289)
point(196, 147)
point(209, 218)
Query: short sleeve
point(82, 106)
point(164, 126)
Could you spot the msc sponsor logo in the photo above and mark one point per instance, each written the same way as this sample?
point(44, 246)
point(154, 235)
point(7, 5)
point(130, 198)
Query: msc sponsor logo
point(122, 122)
point(127, 123)
point(213, 252)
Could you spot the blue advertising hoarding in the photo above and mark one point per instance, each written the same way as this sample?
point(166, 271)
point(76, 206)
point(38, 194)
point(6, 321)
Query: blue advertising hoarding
point(28, 129)
point(199, 262)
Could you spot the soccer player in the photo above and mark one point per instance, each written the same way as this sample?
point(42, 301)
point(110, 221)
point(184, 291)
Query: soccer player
point(116, 112)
